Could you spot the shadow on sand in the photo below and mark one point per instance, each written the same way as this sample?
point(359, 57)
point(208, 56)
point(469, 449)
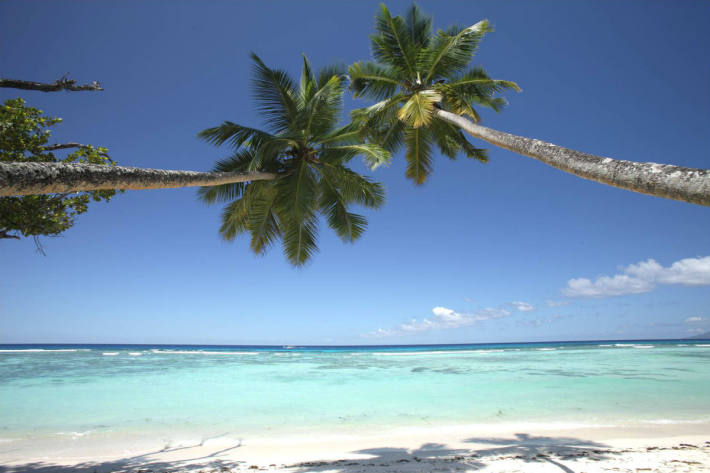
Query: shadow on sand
point(437, 457)
point(141, 463)
point(428, 457)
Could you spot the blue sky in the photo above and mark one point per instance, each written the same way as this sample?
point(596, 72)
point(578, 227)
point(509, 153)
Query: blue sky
point(512, 250)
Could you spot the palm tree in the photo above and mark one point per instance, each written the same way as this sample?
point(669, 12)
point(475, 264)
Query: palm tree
point(426, 97)
point(306, 152)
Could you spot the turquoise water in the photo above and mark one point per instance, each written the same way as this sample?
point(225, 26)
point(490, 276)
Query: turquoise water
point(51, 390)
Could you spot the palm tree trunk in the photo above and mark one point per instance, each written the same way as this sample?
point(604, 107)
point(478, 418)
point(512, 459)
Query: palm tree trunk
point(662, 180)
point(49, 178)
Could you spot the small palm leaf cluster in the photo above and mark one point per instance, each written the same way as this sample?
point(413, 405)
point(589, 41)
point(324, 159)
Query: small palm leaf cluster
point(308, 152)
point(414, 74)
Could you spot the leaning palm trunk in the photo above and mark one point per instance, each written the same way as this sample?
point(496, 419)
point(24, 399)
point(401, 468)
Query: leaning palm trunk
point(662, 180)
point(49, 178)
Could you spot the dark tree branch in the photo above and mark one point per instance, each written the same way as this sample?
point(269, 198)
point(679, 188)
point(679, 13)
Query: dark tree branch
point(71, 145)
point(57, 146)
point(4, 234)
point(61, 84)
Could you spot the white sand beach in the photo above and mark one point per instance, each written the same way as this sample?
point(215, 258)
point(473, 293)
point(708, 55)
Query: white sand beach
point(481, 448)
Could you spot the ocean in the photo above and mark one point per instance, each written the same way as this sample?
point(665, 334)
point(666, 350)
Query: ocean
point(54, 392)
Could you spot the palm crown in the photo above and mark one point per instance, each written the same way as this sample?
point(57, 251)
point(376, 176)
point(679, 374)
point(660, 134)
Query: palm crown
point(414, 74)
point(308, 152)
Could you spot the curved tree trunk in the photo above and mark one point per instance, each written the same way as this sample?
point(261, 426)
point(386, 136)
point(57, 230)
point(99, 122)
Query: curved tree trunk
point(662, 180)
point(50, 178)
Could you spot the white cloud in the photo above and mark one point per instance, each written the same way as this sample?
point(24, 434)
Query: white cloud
point(523, 306)
point(691, 320)
point(642, 277)
point(444, 318)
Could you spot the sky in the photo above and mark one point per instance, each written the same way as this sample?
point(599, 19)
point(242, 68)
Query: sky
point(511, 250)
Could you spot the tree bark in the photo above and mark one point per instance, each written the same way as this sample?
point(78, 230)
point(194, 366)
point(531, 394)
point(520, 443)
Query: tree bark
point(61, 84)
point(661, 180)
point(49, 178)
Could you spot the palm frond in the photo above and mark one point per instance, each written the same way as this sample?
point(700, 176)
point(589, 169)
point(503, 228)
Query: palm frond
point(379, 114)
point(353, 187)
point(262, 222)
point(346, 134)
point(371, 80)
point(300, 238)
point(392, 45)
point(451, 50)
point(418, 153)
point(297, 192)
point(474, 87)
point(307, 84)
point(321, 113)
point(234, 219)
point(419, 109)
point(274, 91)
point(374, 155)
point(451, 141)
point(325, 73)
point(418, 26)
point(236, 135)
point(348, 226)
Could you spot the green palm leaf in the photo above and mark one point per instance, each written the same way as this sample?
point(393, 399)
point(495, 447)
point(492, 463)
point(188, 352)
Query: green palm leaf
point(348, 226)
point(234, 219)
point(374, 155)
point(234, 134)
point(418, 153)
point(392, 44)
point(274, 91)
point(263, 224)
point(354, 187)
point(419, 109)
point(299, 239)
point(371, 80)
point(418, 27)
point(451, 50)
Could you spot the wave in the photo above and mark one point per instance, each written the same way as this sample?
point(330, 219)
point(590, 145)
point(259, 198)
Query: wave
point(110, 353)
point(673, 421)
point(75, 435)
point(702, 345)
point(135, 353)
point(40, 350)
point(643, 346)
point(434, 352)
point(201, 352)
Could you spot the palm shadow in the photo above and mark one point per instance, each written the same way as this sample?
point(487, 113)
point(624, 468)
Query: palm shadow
point(139, 463)
point(427, 457)
point(530, 448)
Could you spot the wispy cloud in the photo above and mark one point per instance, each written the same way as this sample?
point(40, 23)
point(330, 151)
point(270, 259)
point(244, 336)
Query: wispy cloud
point(557, 303)
point(443, 318)
point(642, 277)
point(695, 320)
point(523, 306)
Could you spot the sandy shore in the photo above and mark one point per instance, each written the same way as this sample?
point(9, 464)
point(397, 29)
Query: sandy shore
point(481, 448)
